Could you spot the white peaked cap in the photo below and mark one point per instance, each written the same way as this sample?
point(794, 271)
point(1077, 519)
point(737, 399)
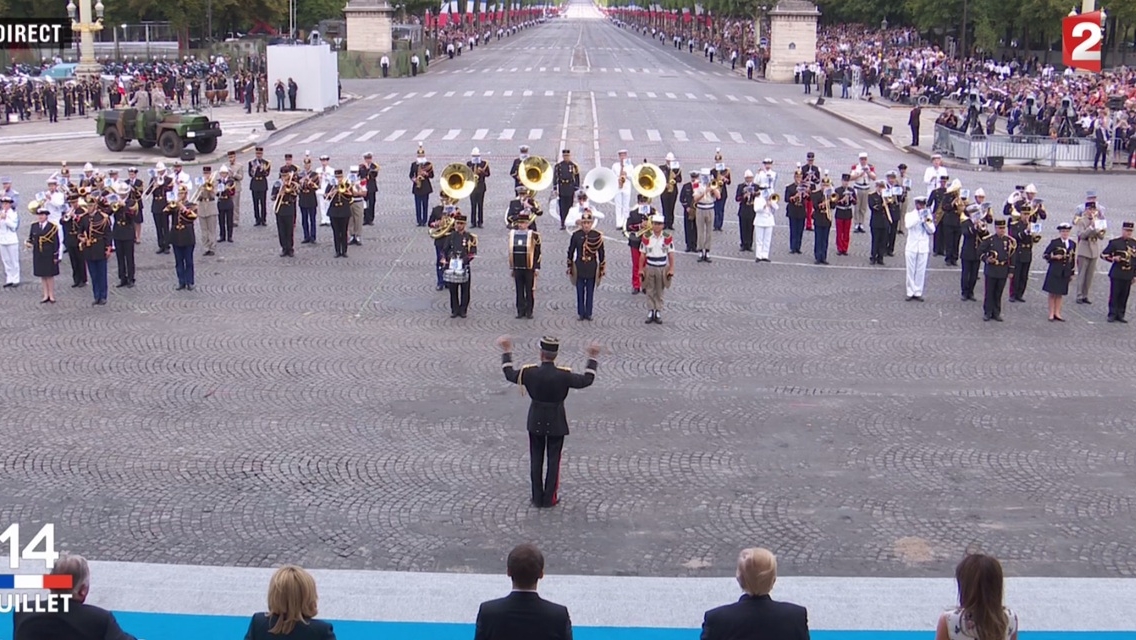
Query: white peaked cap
point(224, 169)
point(1030, 188)
point(748, 174)
point(475, 152)
point(670, 157)
point(979, 192)
point(88, 167)
point(161, 166)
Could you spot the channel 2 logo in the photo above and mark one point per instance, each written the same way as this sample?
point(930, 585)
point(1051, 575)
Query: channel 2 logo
point(1081, 38)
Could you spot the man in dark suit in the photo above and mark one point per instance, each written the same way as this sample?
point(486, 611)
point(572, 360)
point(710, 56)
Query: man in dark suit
point(548, 386)
point(523, 615)
point(756, 615)
point(80, 621)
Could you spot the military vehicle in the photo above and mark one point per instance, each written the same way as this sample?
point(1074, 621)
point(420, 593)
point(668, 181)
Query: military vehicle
point(167, 130)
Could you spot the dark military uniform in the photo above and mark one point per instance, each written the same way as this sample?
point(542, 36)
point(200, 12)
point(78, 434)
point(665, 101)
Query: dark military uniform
point(1023, 257)
point(996, 252)
point(548, 386)
point(462, 245)
point(689, 224)
point(587, 261)
point(972, 236)
point(285, 214)
point(183, 239)
point(525, 267)
point(670, 194)
point(477, 196)
point(566, 180)
point(1122, 254)
point(125, 217)
point(95, 228)
point(421, 190)
point(258, 171)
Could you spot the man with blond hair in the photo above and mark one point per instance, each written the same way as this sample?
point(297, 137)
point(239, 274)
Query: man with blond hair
point(756, 615)
point(80, 621)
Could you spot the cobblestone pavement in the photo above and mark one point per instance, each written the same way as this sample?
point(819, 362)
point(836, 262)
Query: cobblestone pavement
point(329, 412)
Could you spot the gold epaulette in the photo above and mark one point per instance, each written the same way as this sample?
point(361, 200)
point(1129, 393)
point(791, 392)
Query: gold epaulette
point(568, 369)
point(472, 240)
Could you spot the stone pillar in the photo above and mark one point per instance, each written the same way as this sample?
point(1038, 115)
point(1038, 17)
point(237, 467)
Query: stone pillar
point(369, 25)
point(792, 38)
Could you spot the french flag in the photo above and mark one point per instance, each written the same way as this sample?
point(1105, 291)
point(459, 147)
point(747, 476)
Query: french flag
point(13, 581)
point(121, 87)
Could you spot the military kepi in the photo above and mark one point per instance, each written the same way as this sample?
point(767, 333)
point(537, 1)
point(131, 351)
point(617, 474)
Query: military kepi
point(1001, 222)
point(1128, 225)
point(551, 345)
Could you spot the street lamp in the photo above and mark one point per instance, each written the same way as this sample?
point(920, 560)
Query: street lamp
point(884, 23)
point(81, 22)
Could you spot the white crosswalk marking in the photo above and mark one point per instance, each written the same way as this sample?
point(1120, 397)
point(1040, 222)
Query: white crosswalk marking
point(485, 70)
point(373, 96)
point(312, 138)
point(536, 134)
point(367, 136)
point(488, 94)
point(737, 137)
point(506, 134)
point(823, 142)
point(285, 140)
point(751, 99)
point(508, 93)
point(710, 96)
point(689, 72)
point(527, 69)
point(653, 135)
point(499, 70)
point(339, 136)
point(480, 134)
point(467, 94)
point(710, 136)
point(547, 94)
point(423, 134)
point(617, 70)
point(611, 94)
point(527, 93)
point(646, 71)
point(395, 136)
point(851, 143)
point(452, 134)
point(389, 96)
point(354, 126)
point(680, 136)
point(513, 70)
point(764, 138)
point(603, 69)
point(630, 94)
point(879, 145)
point(625, 134)
point(790, 101)
point(430, 95)
point(672, 96)
point(448, 94)
point(410, 95)
point(771, 100)
point(542, 69)
point(792, 140)
point(731, 98)
point(691, 96)
point(651, 95)
point(630, 70)
point(556, 69)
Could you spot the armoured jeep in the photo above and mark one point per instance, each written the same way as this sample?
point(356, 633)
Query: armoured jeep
point(163, 128)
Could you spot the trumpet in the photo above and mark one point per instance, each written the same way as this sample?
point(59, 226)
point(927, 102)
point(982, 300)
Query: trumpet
point(623, 175)
point(422, 172)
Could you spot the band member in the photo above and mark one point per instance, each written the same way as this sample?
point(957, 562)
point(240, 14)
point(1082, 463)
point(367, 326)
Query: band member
point(237, 175)
point(1021, 230)
point(766, 177)
point(94, 234)
point(587, 262)
point(525, 202)
point(524, 260)
point(704, 196)
point(45, 241)
point(974, 231)
point(846, 196)
point(288, 166)
point(823, 199)
point(565, 183)
point(920, 226)
point(689, 214)
point(670, 194)
point(308, 201)
point(946, 205)
point(183, 238)
point(161, 184)
point(285, 196)
point(134, 199)
point(9, 241)
point(1090, 229)
point(368, 173)
point(880, 204)
point(340, 195)
point(796, 195)
point(421, 186)
point(441, 225)
point(638, 223)
point(812, 175)
point(459, 252)
point(720, 175)
point(6, 190)
point(480, 169)
point(258, 171)
point(765, 210)
point(745, 195)
point(360, 196)
point(207, 213)
point(623, 169)
point(548, 386)
point(934, 174)
point(1121, 252)
point(69, 224)
point(228, 191)
point(515, 170)
point(124, 214)
point(327, 178)
point(863, 176)
point(657, 263)
point(1061, 255)
point(996, 252)
point(899, 213)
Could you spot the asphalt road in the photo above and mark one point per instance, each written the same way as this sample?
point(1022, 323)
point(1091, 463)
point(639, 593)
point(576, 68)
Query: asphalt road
point(329, 412)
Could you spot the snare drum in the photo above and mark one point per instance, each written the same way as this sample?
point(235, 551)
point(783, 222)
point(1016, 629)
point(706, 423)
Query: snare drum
point(455, 276)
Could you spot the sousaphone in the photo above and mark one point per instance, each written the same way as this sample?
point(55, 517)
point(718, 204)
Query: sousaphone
point(648, 180)
point(601, 184)
point(458, 181)
point(535, 173)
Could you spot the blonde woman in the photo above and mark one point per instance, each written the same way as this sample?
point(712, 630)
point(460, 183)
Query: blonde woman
point(291, 609)
point(980, 614)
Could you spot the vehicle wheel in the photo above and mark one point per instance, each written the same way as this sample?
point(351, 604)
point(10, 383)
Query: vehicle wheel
point(171, 144)
point(206, 145)
point(113, 141)
point(147, 144)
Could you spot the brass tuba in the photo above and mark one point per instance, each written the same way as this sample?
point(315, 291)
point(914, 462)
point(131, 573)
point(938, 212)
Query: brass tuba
point(458, 180)
point(446, 222)
point(648, 180)
point(535, 173)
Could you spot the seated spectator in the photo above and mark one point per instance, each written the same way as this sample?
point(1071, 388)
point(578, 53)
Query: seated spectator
point(980, 614)
point(81, 621)
point(292, 608)
point(523, 615)
point(756, 616)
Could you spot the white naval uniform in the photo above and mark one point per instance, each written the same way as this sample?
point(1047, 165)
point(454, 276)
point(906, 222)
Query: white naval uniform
point(766, 179)
point(763, 224)
point(931, 178)
point(180, 178)
point(56, 205)
point(919, 235)
point(327, 178)
point(622, 196)
point(10, 246)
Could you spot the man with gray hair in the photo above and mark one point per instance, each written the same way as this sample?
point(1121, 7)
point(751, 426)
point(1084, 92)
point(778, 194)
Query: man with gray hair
point(756, 615)
point(79, 620)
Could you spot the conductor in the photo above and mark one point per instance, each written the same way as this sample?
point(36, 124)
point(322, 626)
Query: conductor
point(547, 385)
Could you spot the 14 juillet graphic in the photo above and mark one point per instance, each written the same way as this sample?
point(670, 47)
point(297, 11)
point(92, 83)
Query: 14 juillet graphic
point(40, 548)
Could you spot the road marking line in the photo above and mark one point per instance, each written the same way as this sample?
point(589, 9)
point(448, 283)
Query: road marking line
point(372, 116)
point(367, 136)
point(449, 94)
point(710, 136)
point(823, 142)
point(373, 96)
point(536, 134)
point(488, 94)
point(625, 134)
point(430, 95)
point(395, 136)
point(467, 94)
point(680, 136)
point(790, 101)
point(548, 94)
point(410, 95)
point(711, 97)
point(507, 134)
point(285, 140)
point(630, 94)
point(422, 135)
point(653, 135)
point(508, 93)
point(771, 100)
point(879, 145)
point(851, 143)
point(339, 136)
point(354, 126)
point(691, 96)
point(792, 140)
point(452, 134)
point(651, 95)
point(672, 96)
point(527, 93)
point(389, 96)
point(611, 94)
point(764, 138)
point(312, 138)
point(731, 98)
point(737, 137)
point(480, 134)
point(751, 99)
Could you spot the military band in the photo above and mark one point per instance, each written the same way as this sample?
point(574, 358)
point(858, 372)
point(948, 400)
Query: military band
point(796, 195)
point(1090, 227)
point(670, 194)
point(46, 243)
point(363, 215)
point(421, 185)
point(481, 171)
point(308, 201)
point(1061, 254)
point(823, 200)
point(285, 198)
point(124, 212)
point(458, 252)
point(587, 263)
point(566, 181)
point(236, 173)
point(258, 171)
point(657, 264)
point(812, 176)
point(622, 168)
point(94, 231)
point(919, 226)
point(340, 196)
point(704, 197)
point(524, 261)
point(638, 224)
point(10, 240)
point(996, 253)
point(746, 195)
point(207, 212)
point(689, 214)
point(975, 229)
point(720, 176)
point(1121, 252)
point(183, 238)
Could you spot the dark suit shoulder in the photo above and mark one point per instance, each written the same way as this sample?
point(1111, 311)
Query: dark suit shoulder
point(313, 629)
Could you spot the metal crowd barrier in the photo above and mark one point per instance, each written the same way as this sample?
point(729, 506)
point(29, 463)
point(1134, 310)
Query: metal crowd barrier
point(996, 150)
